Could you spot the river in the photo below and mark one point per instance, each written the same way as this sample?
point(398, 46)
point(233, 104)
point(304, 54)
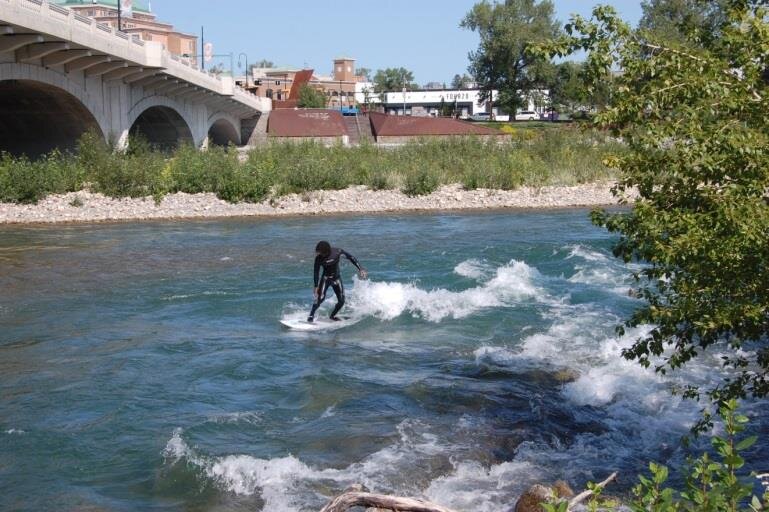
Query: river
point(143, 365)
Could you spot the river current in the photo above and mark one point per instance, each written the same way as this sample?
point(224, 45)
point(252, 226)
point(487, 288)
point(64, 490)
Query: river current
point(143, 365)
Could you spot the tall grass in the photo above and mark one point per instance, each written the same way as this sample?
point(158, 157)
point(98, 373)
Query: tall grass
point(530, 157)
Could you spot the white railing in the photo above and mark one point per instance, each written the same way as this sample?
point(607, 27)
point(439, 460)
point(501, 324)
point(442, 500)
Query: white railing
point(59, 9)
point(82, 19)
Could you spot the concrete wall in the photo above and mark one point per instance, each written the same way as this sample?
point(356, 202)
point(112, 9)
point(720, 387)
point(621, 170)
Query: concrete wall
point(326, 141)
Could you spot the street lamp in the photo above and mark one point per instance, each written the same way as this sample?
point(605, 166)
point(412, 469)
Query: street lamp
point(120, 15)
point(246, 60)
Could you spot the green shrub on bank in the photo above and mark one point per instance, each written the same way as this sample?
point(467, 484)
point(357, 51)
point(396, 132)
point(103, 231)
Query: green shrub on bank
point(26, 181)
point(138, 172)
point(713, 482)
point(535, 158)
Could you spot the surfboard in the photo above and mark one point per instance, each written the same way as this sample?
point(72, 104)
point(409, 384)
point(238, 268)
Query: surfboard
point(320, 324)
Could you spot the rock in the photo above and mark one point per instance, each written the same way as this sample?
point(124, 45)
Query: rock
point(562, 489)
point(531, 500)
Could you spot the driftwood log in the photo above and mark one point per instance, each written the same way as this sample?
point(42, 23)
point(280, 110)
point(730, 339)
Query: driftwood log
point(351, 499)
point(357, 497)
point(579, 498)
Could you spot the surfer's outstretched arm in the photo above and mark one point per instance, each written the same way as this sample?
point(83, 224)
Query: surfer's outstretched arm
point(361, 271)
point(351, 258)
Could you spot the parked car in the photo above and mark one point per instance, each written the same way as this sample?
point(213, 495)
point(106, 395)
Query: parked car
point(481, 116)
point(526, 115)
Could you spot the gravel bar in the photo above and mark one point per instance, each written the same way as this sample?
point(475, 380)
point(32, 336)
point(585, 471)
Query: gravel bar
point(88, 207)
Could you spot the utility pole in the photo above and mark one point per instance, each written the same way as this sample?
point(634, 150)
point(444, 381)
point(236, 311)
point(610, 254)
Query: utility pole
point(404, 93)
point(119, 17)
point(202, 50)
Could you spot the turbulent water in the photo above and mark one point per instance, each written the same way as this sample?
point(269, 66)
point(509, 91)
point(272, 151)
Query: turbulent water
point(143, 366)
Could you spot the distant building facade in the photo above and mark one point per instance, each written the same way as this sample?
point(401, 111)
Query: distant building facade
point(142, 24)
point(276, 83)
point(463, 103)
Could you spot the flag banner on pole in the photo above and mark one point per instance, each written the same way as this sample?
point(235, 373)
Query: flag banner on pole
point(127, 8)
point(208, 52)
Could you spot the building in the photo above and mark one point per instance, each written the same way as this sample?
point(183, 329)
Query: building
point(339, 87)
point(142, 24)
point(461, 102)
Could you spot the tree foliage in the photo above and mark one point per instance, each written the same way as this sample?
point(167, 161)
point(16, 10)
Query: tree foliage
point(568, 90)
point(682, 21)
point(393, 79)
point(501, 61)
point(262, 63)
point(695, 119)
point(461, 81)
point(309, 97)
point(364, 72)
point(216, 69)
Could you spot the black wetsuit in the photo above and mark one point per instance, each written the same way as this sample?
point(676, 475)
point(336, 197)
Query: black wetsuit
point(330, 278)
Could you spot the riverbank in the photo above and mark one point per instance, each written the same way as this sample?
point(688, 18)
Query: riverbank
point(86, 206)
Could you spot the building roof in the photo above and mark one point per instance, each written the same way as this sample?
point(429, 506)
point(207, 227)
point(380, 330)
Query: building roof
point(408, 126)
point(138, 5)
point(311, 122)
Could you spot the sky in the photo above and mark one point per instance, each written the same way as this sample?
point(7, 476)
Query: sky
point(420, 35)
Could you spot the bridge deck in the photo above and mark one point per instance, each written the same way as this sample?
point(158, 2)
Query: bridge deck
point(38, 29)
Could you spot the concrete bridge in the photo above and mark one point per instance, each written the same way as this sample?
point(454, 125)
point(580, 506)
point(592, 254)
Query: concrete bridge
point(62, 74)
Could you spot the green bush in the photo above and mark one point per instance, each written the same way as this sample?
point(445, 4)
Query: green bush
point(420, 182)
point(26, 181)
point(138, 172)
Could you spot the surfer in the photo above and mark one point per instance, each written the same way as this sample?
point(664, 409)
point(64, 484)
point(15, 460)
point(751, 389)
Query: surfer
point(328, 258)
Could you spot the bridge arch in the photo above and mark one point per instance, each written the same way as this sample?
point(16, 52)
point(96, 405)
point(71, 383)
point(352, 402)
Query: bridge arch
point(223, 130)
point(44, 110)
point(163, 122)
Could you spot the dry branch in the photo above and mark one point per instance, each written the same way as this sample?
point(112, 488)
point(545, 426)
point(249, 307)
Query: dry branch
point(579, 498)
point(348, 500)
